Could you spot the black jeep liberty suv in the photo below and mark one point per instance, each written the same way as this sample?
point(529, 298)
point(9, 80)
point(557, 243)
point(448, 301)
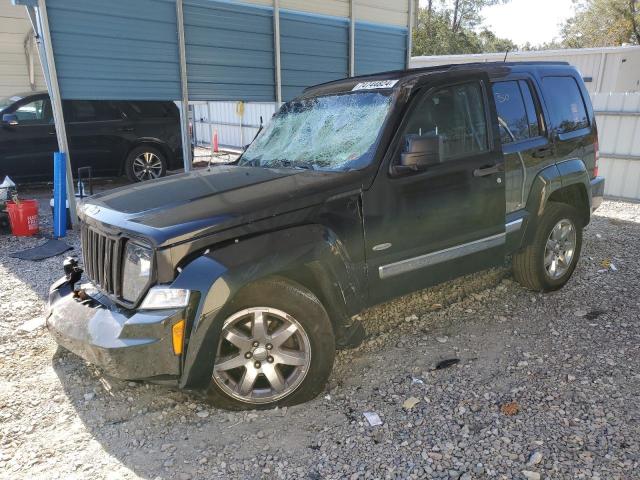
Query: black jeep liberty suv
point(241, 280)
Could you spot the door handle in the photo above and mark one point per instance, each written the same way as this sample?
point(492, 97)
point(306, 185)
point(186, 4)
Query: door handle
point(542, 152)
point(51, 132)
point(489, 170)
point(125, 129)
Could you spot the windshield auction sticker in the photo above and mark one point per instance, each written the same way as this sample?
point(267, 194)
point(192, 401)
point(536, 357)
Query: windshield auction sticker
point(377, 85)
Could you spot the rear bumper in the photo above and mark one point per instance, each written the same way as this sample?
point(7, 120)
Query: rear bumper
point(597, 192)
point(127, 345)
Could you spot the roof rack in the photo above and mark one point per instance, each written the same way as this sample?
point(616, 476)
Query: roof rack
point(439, 68)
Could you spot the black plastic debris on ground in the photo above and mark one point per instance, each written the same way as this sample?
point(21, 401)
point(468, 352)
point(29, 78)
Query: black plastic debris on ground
point(50, 248)
point(449, 362)
point(593, 314)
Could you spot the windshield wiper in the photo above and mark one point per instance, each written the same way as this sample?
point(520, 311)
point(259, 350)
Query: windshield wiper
point(284, 163)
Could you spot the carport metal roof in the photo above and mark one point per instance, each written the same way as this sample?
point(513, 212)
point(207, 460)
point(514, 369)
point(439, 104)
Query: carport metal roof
point(207, 50)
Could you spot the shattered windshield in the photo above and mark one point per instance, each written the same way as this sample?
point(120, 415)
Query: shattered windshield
point(336, 132)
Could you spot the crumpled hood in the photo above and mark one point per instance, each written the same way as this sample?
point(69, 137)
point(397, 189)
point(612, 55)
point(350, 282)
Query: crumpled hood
point(175, 208)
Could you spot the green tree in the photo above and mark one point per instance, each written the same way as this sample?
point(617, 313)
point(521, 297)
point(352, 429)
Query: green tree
point(455, 27)
point(603, 23)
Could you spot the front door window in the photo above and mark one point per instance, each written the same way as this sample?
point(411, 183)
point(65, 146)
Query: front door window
point(456, 114)
point(34, 113)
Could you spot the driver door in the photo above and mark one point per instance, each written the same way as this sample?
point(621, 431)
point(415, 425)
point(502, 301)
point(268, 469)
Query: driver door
point(446, 219)
point(26, 149)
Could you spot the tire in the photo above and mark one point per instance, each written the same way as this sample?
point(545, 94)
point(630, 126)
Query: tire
point(530, 265)
point(284, 305)
point(145, 163)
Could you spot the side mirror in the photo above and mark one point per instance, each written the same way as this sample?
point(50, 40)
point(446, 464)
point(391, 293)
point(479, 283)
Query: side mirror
point(10, 119)
point(421, 151)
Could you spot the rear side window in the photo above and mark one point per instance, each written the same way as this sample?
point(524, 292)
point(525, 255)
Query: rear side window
point(149, 109)
point(456, 113)
point(82, 111)
point(516, 111)
point(565, 102)
point(90, 111)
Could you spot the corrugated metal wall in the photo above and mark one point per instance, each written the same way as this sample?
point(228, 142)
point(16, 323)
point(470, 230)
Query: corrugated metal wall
point(125, 49)
point(314, 49)
point(116, 49)
point(618, 119)
point(229, 51)
point(14, 62)
point(379, 48)
point(388, 12)
point(614, 69)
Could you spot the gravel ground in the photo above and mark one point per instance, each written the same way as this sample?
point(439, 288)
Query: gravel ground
point(547, 387)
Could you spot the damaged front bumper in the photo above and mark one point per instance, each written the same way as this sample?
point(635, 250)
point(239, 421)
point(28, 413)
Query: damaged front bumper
point(132, 345)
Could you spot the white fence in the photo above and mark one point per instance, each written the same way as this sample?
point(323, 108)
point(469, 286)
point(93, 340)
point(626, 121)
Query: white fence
point(618, 118)
point(234, 130)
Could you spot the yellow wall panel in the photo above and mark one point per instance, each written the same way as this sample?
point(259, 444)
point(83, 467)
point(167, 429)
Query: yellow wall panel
point(389, 12)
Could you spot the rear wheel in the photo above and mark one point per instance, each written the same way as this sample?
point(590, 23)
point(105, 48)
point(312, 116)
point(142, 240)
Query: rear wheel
point(276, 348)
point(547, 264)
point(145, 163)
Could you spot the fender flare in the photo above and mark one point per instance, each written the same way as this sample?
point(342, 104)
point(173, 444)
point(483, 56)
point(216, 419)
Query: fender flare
point(547, 181)
point(293, 253)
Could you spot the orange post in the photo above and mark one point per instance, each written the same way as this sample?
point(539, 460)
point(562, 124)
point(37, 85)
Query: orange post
point(214, 145)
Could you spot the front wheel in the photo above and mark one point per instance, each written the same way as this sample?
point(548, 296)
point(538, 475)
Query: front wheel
point(145, 163)
point(276, 348)
point(547, 264)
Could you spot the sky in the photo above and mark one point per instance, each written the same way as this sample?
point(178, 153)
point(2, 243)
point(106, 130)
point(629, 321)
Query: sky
point(534, 21)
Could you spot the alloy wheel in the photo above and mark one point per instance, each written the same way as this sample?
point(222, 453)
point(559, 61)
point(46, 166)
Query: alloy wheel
point(560, 249)
point(263, 355)
point(147, 166)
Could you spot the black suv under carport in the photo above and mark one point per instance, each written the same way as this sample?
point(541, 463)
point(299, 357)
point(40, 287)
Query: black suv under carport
point(241, 280)
point(138, 138)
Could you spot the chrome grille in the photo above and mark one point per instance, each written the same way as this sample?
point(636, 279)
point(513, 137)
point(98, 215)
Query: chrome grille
point(101, 255)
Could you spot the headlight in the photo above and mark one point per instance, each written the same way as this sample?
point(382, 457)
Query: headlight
point(165, 297)
point(137, 270)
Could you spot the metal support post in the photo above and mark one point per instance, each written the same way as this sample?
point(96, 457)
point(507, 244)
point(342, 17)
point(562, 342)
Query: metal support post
point(184, 110)
point(352, 38)
point(276, 50)
point(410, 33)
point(56, 101)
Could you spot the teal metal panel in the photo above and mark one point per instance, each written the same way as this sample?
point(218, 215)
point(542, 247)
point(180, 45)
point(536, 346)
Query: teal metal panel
point(313, 49)
point(379, 48)
point(127, 49)
point(229, 51)
point(120, 49)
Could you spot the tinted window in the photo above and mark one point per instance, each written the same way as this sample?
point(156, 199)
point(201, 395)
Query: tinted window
point(565, 103)
point(516, 111)
point(35, 112)
point(456, 113)
point(149, 109)
point(82, 111)
point(90, 111)
point(532, 112)
point(512, 115)
point(108, 110)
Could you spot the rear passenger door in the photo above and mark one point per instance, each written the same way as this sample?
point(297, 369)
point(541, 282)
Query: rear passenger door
point(525, 143)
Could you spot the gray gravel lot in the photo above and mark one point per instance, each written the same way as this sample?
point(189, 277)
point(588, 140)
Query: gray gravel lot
point(567, 362)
